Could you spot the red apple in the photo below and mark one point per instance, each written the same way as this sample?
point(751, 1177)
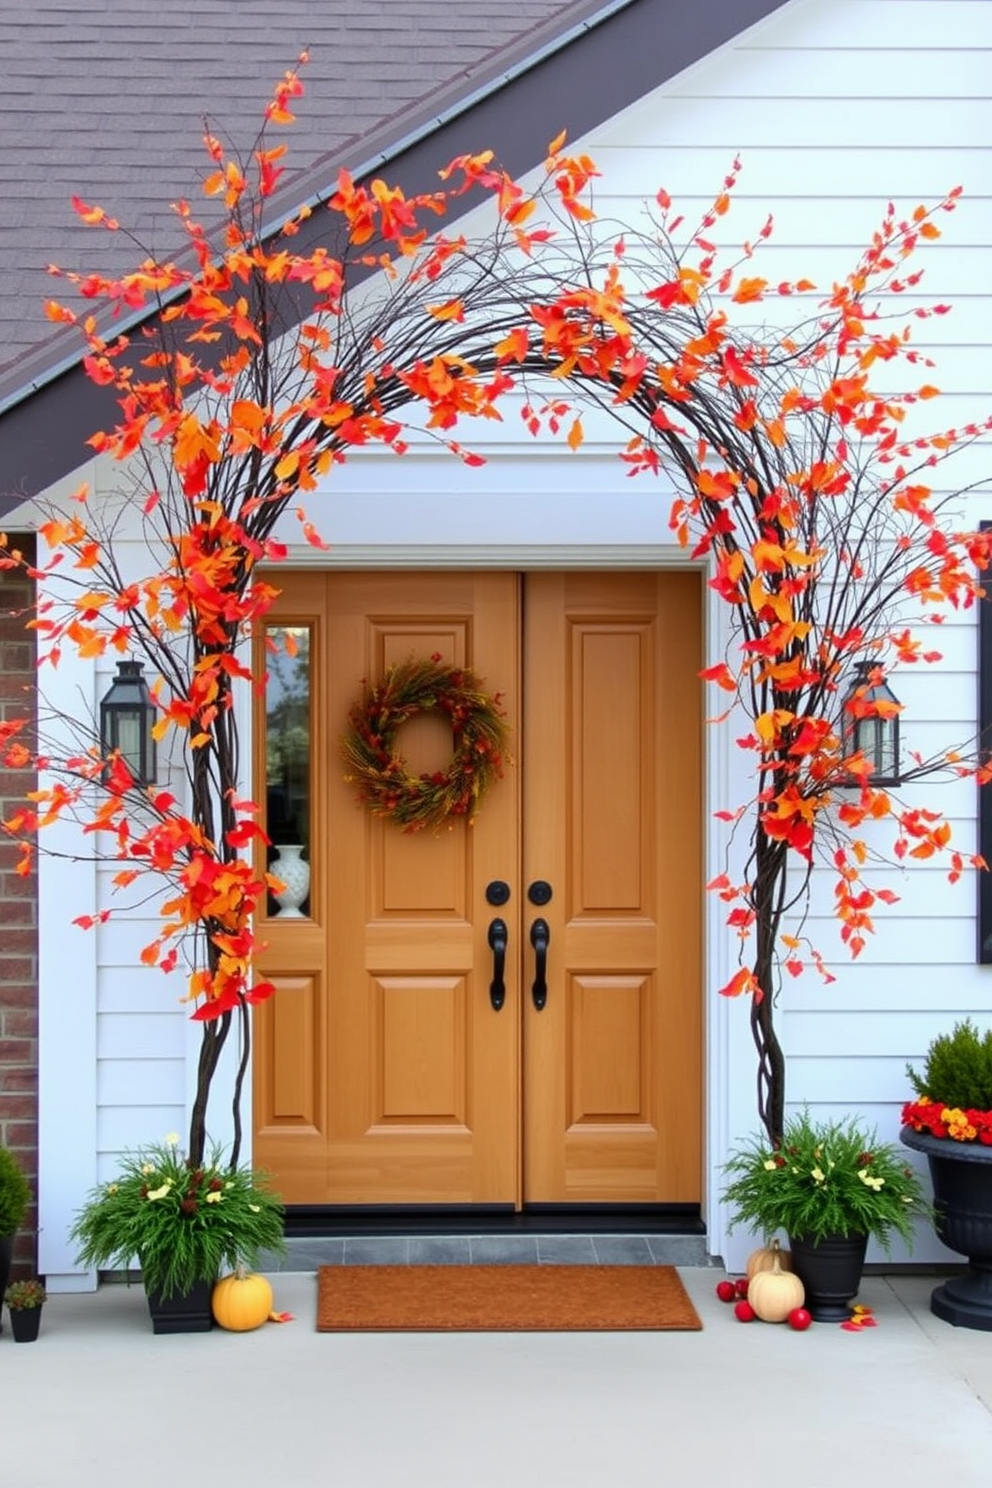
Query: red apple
point(741, 1286)
point(799, 1319)
point(726, 1291)
point(744, 1312)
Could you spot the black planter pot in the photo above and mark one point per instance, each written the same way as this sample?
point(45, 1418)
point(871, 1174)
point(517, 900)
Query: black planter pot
point(6, 1256)
point(183, 1312)
point(830, 1271)
point(961, 1175)
point(24, 1323)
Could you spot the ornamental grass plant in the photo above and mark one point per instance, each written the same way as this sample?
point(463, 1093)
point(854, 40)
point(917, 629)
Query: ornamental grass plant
point(955, 1088)
point(826, 1179)
point(184, 1223)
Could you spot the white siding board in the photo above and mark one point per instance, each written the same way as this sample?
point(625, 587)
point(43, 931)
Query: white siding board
point(883, 26)
point(124, 1128)
point(122, 938)
point(836, 176)
point(923, 891)
point(874, 985)
point(842, 223)
point(139, 989)
point(927, 738)
point(849, 1076)
point(897, 124)
point(841, 74)
point(958, 270)
point(141, 1036)
point(133, 1082)
point(932, 942)
point(822, 1035)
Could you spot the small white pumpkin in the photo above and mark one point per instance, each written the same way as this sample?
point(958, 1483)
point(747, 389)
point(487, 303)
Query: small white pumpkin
point(773, 1294)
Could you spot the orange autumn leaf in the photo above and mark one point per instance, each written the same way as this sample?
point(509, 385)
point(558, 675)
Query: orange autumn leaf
point(452, 310)
point(749, 290)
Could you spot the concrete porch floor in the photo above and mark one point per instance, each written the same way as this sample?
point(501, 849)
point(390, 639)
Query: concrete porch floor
point(100, 1400)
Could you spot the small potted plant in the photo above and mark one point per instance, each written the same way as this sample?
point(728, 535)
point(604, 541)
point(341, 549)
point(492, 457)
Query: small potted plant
point(184, 1224)
point(25, 1300)
point(14, 1197)
point(830, 1186)
point(950, 1122)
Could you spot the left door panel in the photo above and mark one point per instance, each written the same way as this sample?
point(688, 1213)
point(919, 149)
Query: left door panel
point(382, 1074)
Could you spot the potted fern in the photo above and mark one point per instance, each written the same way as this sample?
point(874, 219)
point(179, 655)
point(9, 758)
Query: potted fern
point(184, 1222)
point(25, 1300)
point(830, 1185)
point(950, 1122)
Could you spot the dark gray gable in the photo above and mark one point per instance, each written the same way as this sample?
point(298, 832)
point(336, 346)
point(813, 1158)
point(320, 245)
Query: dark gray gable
point(573, 68)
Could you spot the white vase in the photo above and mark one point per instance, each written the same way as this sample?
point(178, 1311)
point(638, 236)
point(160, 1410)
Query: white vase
point(295, 874)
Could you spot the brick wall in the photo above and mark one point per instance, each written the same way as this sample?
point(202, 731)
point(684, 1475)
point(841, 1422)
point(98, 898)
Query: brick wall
point(18, 919)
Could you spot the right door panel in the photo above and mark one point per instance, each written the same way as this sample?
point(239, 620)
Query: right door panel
point(612, 795)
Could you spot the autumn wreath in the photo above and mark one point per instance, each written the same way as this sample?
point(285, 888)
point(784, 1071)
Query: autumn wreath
point(381, 773)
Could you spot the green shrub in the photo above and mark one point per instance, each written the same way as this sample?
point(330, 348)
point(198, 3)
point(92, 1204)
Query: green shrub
point(14, 1193)
point(958, 1069)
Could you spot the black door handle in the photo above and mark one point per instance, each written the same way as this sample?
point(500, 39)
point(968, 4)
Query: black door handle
point(540, 934)
point(497, 944)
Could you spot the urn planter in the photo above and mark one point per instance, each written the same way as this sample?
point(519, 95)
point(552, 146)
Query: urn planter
point(961, 1175)
point(830, 1270)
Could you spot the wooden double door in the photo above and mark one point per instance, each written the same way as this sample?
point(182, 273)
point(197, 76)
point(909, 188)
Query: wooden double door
point(383, 1073)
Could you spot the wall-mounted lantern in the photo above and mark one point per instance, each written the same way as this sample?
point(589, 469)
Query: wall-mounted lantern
point(127, 715)
point(874, 735)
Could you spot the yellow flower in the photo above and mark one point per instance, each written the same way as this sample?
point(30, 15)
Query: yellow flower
point(172, 1139)
point(112, 1188)
point(214, 1198)
point(147, 1168)
point(958, 1125)
point(254, 1208)
point(771, 1165)
point(159, 1193)
point(869, 1180)
point(818, 1174)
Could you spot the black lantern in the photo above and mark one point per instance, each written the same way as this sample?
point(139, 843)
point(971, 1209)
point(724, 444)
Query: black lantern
point(127, 714)
point(875, 736)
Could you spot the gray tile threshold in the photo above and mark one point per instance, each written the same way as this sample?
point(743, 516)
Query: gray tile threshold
point(306, 1253)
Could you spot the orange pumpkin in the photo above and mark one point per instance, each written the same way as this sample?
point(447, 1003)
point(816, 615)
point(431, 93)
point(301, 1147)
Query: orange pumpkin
point(763, 1259)
point(773, 1294)
point(241, 1301)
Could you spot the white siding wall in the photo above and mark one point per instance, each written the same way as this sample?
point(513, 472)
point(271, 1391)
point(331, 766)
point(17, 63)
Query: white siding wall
point(835, 106)
point(835, 109)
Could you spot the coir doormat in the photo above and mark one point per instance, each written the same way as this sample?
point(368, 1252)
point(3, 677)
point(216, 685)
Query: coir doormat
point(490, 1299)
